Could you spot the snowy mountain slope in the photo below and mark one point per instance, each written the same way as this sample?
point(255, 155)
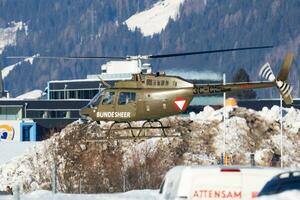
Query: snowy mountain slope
point(8, 36)
point(6, 70)
point(143, 163)
point(155, 19)
point(62, 28)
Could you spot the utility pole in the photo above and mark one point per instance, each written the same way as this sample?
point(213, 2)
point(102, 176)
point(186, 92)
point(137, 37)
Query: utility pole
point(53, 177)
point(281, 134)
point(224, 121)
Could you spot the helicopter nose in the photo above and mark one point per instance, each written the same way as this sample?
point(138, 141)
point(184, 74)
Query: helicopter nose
point(85, 113)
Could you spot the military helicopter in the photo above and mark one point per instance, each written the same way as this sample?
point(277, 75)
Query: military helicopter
point(150, 97)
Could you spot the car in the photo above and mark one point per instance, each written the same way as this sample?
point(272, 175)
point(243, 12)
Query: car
point(215, 182)
point(282, 182)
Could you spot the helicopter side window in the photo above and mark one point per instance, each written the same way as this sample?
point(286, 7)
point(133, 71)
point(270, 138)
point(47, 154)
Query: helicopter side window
point(126, 97)
point(108, 98)
point(149, 82)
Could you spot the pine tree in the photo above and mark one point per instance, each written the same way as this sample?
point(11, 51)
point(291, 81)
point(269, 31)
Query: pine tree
point(242, 76)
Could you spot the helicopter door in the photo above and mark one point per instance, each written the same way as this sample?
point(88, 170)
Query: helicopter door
point(126, 105)
point(107, 106)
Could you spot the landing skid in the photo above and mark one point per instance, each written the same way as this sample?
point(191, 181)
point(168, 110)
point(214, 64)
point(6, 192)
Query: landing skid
point(136, 132)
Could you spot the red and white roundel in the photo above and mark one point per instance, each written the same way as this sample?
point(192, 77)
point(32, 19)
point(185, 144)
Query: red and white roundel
point(180, 103)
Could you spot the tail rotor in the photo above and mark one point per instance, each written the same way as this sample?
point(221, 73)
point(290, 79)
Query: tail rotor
point(284, 87)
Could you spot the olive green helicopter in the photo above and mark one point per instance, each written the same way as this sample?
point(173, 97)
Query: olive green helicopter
point(151, 97)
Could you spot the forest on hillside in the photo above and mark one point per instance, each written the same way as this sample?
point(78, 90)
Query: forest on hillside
point(96, 28)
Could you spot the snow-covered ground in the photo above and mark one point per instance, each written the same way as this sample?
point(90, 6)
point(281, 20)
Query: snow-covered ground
point(8, 36)
point(247, 131)
point(131, 195)
point(11, 150)
point(47, 195)
point(155, 19)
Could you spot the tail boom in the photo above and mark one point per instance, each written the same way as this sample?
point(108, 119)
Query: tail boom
point(199, 90)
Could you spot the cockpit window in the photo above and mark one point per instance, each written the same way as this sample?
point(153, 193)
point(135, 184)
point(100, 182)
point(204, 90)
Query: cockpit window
point(96, 100)
point(126, 97)
point(108, 98)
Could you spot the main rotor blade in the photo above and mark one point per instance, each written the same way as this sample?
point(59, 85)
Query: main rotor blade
point(70, 57)
point(208, 52)
point(140, 57)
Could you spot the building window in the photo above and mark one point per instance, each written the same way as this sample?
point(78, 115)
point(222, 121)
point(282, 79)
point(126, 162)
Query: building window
point(167, 83)
point(162, 82)
point(10, 113)
point(126, 97)
point(72, 94)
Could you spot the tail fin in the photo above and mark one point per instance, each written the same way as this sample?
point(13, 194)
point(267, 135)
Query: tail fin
point(281, 81)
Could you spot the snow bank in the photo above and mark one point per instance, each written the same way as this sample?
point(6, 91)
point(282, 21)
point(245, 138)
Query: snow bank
point(155, 19)
point(32, 167)
point(47, 195)
point(10, 150)
point(247, 131)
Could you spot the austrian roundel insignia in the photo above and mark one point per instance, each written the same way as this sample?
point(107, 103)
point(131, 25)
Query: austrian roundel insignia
point(181, 103)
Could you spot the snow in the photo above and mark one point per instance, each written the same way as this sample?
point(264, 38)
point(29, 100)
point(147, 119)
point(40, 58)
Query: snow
point(131, 195)
point(5, 71)
point(34, 94)
point(20, 168)
point(155, 19)
point(247, 131)
point(8, 36)
point(47, 195)
point(10, 150)
point(208, 114)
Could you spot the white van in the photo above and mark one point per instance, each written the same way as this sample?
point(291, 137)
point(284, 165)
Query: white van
point(215, 182)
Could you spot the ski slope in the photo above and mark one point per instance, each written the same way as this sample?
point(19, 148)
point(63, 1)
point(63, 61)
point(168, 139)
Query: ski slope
point(155, 19)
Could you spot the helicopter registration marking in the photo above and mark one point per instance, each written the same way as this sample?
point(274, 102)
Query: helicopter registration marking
point(113, 114)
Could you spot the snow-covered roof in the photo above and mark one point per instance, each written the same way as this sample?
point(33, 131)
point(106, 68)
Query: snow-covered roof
point(34, 94)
